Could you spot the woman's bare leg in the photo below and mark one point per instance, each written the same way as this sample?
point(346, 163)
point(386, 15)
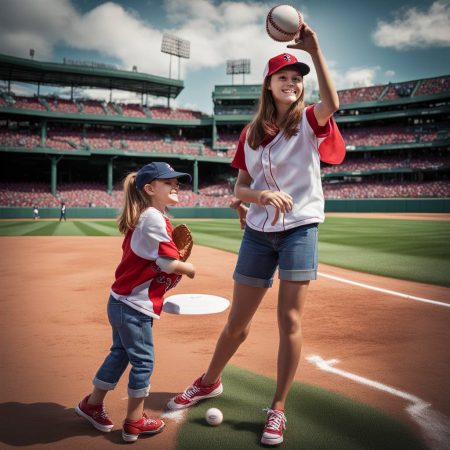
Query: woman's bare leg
point(291, 299)
point(246, 300)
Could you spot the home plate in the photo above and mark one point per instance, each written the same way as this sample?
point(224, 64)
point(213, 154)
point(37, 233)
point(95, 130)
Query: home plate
point(195, 304)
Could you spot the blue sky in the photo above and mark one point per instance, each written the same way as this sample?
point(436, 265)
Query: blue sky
point(364, 43)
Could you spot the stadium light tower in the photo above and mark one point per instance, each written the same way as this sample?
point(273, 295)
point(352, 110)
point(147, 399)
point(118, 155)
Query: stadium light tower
point(237, 66)
point(176, 46)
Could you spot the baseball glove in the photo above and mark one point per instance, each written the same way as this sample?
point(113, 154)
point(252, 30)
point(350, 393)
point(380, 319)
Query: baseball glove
point(182, 237)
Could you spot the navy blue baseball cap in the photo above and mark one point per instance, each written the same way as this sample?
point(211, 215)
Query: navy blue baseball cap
point(158, 171)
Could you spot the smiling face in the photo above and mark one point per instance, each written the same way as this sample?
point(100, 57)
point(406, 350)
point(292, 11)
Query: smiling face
point(163, 192)
point(286, 86)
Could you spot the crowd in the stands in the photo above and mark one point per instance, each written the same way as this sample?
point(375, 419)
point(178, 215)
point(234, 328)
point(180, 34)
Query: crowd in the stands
point(52, 103)
point(96, 107)
point(387, 163)
point(147, 140)
point(173, 140)
point(395, 189)
point(95, 195)
point(220, 194)
point(377, 136)
point(394, 91)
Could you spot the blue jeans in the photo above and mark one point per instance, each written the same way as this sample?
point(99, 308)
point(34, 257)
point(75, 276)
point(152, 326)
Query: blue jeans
point(132, 343)
point(294, 251)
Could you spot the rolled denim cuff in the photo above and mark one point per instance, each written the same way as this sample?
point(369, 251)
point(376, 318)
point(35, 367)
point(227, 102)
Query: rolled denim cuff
point(103, 384)
point(251, 281)
point(297, 275)
point(139, 393)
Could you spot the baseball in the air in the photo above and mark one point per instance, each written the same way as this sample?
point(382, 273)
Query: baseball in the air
point(283, 23)
point(214, 416)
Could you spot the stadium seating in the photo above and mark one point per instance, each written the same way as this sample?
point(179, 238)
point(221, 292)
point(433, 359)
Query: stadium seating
point(133, 110)
point(28, 103)
point(63, 106)
point(158, 112)
point(92, 107)
point(384, 163)
point(433, 86)
point(217, 195)
point(19, 138)
point(364, 94)
point(395, 189)
point(377, 136)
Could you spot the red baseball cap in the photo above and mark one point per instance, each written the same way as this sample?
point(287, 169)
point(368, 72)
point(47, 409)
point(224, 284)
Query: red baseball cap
point(285, 59)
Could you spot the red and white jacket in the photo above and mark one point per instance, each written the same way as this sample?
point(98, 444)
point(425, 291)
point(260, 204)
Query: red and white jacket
point(140, 283)
point(293, 166)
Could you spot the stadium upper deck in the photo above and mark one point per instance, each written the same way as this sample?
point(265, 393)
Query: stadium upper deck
point(388, 129)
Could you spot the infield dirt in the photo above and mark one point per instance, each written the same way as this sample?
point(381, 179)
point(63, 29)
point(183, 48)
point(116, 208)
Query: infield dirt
point(54, 334)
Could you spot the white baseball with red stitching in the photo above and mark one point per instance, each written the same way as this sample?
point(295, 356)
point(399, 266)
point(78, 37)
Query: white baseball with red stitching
point(283, 23)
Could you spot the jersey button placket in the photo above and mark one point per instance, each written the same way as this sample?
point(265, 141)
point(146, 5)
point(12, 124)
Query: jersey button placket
point(266, 167)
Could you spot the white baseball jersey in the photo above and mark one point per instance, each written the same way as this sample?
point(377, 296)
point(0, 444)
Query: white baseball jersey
point(292, 166)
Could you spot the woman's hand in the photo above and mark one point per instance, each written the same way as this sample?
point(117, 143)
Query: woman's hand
point(241, 209)
point(306, 40)
point(281, 201)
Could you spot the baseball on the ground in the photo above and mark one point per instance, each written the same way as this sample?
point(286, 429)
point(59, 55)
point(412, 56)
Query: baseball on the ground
point(283, 23)
point(214, 416)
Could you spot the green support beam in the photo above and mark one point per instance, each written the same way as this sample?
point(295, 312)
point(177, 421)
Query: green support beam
point(195, 186)
point(110, 176)
point(43, 133)
point(54, 174)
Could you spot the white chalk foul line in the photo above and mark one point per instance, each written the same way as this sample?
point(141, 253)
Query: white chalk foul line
point(385, 291)
point(177, 416)
point(435, 426)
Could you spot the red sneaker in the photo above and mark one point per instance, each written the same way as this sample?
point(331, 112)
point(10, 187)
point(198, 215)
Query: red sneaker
point(274, 426)
point(194, 393)
point(146, 425)
point(95, 414)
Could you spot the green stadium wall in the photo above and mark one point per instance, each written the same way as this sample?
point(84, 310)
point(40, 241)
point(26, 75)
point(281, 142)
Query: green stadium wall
point(441, 205)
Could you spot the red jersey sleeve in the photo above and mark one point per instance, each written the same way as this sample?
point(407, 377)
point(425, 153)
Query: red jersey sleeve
point(168, 249)
point(331, 145)
point(239, 158)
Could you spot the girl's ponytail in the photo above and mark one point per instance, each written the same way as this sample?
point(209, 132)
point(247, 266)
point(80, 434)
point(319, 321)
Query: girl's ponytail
point(136, 201)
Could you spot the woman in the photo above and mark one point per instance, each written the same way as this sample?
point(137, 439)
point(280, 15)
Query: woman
point(278, 158)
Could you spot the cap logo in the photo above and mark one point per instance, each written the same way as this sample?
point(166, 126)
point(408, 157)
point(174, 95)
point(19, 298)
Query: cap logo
point(170, 168)
point(287, 57)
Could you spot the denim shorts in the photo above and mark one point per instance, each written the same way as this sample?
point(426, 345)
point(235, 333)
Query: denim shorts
point(294, 251)
point(132, 342)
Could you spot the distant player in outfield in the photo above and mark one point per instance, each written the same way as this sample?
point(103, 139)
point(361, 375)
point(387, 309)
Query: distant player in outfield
point(278, 158)
point(35, 212)
point(149, 267)
point(62, 214)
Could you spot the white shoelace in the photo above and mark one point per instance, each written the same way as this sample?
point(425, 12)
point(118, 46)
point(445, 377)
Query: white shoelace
point(275, 419)
point(190, 392)
point(148, 420)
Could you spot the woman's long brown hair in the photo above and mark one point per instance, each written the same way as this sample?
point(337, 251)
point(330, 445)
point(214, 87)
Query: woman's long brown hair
point(264, 123)
point(136, 201)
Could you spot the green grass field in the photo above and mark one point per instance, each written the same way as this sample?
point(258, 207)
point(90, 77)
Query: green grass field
point(416, 250)
point(317, 419)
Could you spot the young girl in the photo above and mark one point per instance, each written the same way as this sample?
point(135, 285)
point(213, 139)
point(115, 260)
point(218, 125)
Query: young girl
point(149, 267)
point(278, 158)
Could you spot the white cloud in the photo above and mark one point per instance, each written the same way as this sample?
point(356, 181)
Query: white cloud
point(217, 31)
point(389, 73)
point(355, 77)
point(37, 24)
point(416, 29)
